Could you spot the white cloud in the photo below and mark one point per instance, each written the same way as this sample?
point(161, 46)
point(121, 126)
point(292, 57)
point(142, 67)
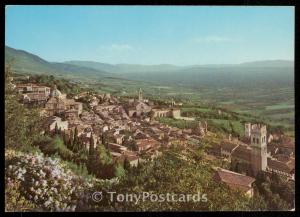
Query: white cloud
point(212, 39)
point(114, 49)
point(121, 47)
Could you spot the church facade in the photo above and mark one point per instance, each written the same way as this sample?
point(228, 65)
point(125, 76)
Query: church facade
point(251, 158)
point(59, 104)
point(139, 107)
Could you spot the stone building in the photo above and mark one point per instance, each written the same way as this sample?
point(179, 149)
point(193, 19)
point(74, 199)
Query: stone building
point(235, 180)
point(33, 93)
point(259, 147)
point(50, 123)
point(252, 158)
point(139, 107)
point(166, 112)
point(286, 169)
point(227, 147)
point(58, 104)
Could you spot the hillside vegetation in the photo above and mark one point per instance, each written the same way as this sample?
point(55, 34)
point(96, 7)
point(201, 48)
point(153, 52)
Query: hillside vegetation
point(262, 88)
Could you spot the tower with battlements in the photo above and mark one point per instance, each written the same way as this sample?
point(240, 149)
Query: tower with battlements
point(258, 136)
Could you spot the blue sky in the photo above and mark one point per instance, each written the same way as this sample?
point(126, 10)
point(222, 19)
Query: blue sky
point(181, 35)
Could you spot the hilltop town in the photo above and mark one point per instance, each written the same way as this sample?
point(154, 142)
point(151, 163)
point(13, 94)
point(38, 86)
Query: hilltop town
point(149, 109)
point(130, 131)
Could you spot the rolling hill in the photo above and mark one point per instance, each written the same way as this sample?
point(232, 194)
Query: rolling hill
point(264, 88)
point(271, 72)
point(125, 68)
point(24, 62)
point(234, 76)
point(130, 68)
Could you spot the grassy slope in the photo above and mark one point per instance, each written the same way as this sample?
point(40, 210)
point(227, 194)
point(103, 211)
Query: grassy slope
point(24, 62)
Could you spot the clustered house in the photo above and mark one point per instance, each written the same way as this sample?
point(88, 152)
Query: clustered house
point(33, 93)
point(253, 154)
point(128, 132)
point(124, 128)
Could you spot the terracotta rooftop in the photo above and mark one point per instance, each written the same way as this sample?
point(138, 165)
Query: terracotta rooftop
point(287, 142)
point(282, 157)
point(242, 152)
point(280, 166)
point(272, 149)
point(234, 179)
point(228, 145)
point(30, 85)
point(122, 157)
point(146, 142)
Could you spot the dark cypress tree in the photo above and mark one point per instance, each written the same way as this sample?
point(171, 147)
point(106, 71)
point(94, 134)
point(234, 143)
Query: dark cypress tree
point(65, 138)
point(76, 135)
point(92, 143)
point(71, 140)
point(102, 138)
point(56, 129)
point(75, 141)
point(59, 131)
point(126, 164)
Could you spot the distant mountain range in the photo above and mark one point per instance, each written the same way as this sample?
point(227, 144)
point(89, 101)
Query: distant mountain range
point(124, 68)
point(274, 71)
point(24, 62)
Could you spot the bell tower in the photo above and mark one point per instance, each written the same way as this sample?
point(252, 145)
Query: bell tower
point(259, 147)
point(140, 95)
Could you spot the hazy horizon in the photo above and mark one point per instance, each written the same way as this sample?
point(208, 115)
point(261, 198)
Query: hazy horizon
point(152, 35)
point(195, 64)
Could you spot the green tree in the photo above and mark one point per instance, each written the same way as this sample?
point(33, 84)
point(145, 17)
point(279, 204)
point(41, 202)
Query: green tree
point(22, 125)
point(119, 171)
point(56, 129)
point(126, 164)
point(100, 163)
point(65, 140)
point(171, 173)
point(75, 141)
point(71, 140)
point(91, 147)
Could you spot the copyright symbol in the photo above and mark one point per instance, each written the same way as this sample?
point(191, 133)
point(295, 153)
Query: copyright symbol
point(97, 196)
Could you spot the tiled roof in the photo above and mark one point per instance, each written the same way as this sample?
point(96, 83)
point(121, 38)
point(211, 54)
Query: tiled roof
point(122, 157)
point(228, 145)
point(127, 152)
point(131, 157)
point(71, 110)
point(272, 149)
point(242, 152)
point(280, 166)
point(48, 121)
point(234, 179)
point(287, 143)
point(146, 142)
point(282, 157)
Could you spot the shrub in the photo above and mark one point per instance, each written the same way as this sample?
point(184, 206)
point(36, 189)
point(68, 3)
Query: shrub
point(55, 145)
point(45, 182)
